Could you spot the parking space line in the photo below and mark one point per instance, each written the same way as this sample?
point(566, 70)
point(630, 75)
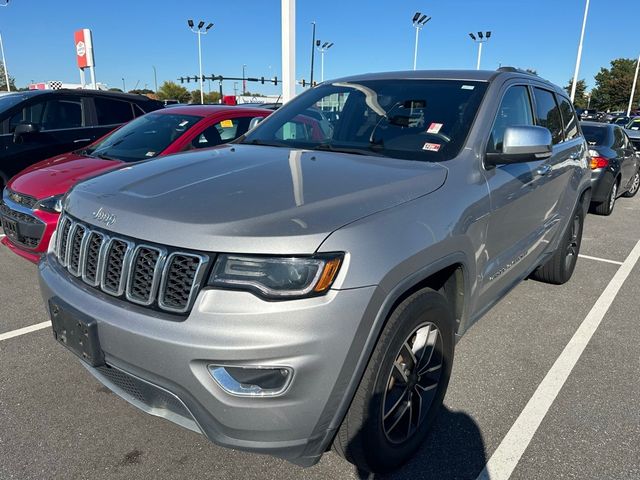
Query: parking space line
point(506, 457)
point(598, 259)
point(24, 331)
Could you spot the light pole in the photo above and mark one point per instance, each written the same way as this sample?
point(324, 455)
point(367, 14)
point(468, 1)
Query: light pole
point(244, 80)
point(155, 78)
point(199, 31)
point(579, 57)
point(4, 62)
point(633, 89)
point(480, 39)
point(313, 51)
point(419, 21)
point(322, 48)
point(124, 89)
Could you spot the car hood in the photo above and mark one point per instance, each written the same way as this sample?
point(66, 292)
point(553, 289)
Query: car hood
point(58, 174)
point(251, 199)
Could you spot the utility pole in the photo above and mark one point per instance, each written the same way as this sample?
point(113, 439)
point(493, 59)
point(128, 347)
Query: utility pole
point(579, 57)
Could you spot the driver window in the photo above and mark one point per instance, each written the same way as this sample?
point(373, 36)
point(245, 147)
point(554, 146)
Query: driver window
point(515, 110)
point(29, 114)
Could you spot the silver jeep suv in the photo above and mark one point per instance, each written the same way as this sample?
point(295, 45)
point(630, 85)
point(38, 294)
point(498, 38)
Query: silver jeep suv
point(304, 287)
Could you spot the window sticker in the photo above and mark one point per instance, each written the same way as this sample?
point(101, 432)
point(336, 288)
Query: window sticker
point(431, 147)
point(468, 87)
point(226, 123)
point(434, 128)
point(183, 123)
point(150, 154)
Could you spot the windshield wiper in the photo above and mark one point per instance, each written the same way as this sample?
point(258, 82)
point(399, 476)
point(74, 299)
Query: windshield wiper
point(266, 144)
point(356, 151)
point(104, 156)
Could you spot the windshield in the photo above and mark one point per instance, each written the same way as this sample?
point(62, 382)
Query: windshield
point(9, 100)
point(144, 137)
point(425, 120)
point(634, 124)
point(595, 135)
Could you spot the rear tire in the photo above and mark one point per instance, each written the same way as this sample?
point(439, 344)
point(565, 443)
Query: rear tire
point(559, 268)
point(402, 389)
point(635, 186)
point(606, 208)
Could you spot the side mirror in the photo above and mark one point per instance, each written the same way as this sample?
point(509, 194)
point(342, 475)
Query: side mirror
point(254, 122)
point(522, 144)
point(23, 131)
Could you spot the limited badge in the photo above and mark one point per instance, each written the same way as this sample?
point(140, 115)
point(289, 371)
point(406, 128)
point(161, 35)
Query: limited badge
point(431, 147)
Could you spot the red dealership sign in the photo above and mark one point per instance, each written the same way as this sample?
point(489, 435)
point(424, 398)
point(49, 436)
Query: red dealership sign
point(84, 48)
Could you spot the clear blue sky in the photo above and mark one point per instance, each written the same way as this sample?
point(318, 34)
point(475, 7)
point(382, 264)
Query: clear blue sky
point(369, 35)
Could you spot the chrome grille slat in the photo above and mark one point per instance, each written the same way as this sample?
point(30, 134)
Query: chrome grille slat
point(180, 279)
point(146, 269)
point(143, 274)
point(91, 260)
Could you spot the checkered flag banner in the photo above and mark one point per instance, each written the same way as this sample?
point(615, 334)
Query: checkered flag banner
point(55, 85)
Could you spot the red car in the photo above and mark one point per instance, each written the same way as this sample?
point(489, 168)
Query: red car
point(30, 203)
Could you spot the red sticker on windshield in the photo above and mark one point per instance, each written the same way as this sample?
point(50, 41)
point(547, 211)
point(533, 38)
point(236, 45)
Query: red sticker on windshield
point(431, 147)
point(434, 128)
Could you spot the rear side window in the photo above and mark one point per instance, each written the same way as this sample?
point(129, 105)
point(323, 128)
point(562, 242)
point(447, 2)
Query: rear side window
point(548, 113)
point(569, 119)
point(618, 138)
point(62, 114)
point(112, 112)
point(514, 111)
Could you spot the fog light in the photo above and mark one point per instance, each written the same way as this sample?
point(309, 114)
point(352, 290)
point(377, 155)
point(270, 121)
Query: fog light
point(252, 381)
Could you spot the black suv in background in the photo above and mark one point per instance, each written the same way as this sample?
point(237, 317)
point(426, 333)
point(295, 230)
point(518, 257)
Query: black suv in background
point(38, 124)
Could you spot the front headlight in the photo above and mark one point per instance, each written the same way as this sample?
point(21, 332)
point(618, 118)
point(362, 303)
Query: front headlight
point(277, 277)
point(50, 204)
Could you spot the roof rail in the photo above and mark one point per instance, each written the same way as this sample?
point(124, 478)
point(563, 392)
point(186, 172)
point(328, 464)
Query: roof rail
point(516, 70)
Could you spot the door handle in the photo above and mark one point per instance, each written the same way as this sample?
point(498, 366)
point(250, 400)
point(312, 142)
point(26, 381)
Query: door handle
point(82, 140)
point(543, 170)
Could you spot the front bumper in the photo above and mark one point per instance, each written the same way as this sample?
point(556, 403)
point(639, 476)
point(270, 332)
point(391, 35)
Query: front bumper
point(27, 231)
point(313, 337)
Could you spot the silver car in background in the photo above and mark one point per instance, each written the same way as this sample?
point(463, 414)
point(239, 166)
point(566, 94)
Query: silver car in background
point(304, 287)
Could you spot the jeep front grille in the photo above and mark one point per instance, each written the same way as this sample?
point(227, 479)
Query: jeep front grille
point(149, 275)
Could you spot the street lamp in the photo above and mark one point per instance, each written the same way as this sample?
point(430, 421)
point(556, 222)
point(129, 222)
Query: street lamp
point(4, 63)
point(322, 48)
point(199, 31)
point(244, 80)
point(579, 57)
point(419, 21)
point(480, 39)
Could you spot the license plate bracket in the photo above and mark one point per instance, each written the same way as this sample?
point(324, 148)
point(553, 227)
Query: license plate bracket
point(76, 331)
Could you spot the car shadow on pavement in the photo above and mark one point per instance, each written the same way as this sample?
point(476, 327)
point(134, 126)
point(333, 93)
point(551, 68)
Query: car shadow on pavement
point(453, 449)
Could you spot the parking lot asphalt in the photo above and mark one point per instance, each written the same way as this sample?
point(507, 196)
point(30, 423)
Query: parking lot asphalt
point(56, 421)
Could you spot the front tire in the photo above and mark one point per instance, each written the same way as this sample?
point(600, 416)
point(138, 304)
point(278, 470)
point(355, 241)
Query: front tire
point(635, 186)
point(403, 386)
point(559, 268)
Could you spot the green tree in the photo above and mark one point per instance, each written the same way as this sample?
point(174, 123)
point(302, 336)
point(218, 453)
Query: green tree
point(115, 90)
point(3, 81)
point(613, 86)
point(581, 100)
point(212, 97)
point(173, 91)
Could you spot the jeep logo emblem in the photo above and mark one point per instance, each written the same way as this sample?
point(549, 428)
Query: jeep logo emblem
point(105, 217)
